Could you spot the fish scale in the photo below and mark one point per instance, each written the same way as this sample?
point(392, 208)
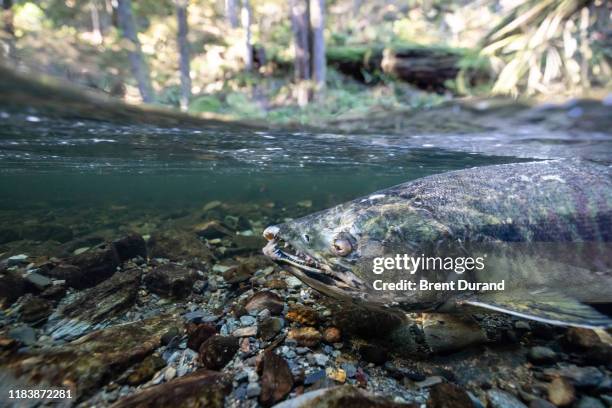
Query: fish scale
point(544, 228)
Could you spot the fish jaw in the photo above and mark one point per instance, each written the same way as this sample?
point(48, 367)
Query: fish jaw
point(333, 280)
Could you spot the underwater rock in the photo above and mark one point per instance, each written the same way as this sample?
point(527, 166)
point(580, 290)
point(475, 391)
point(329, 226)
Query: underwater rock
point(342, 396)
point(102, 302)
point(447, 395)
point(178, 245)
point(541, 355)
point(561, 392)
point(217, 351)
point(589, 402)
point(276, 379)
point(169, 280)
point(245, 244)
point(265, 300)
point(238, 273)
point(89, 268)
point(23, 333)
point(34, 310)
point(332, 335)
point(501, 399)
point(198, 333)
point(88, 363)
point(366, 323)
point(145, 370)
point(202, 388)
point(38, 281)
point(213, 229)
point(305, 336)
point(447, 333)
point(373, 354)
point(131, 246)
point(12, 286)
point(269, 328)
point(302, 314)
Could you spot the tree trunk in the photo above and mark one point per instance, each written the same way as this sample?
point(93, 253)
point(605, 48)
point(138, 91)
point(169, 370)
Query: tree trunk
point(230, 12)
point(246, 23)
point(7, 17)
point(137, 61)
point(299, 23)
point(96, 26)
point(181, 13)
point(317, 23)
point(301, 40)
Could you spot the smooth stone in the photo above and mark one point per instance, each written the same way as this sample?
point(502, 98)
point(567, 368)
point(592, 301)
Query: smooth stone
point(445, 395)
point(561, 392)
point(589, 402)
point(501, 399)
point(217, 351)
point(24, 334)
point(41, 282)
point(253, 390)
point(276, 379)
point(539, 354)
point(202, 388)
point(265, 300)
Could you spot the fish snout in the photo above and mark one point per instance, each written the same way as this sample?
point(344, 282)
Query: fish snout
point(271, 233)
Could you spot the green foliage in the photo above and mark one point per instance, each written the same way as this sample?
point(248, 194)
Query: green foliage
point(540, 43)
point(205, 103)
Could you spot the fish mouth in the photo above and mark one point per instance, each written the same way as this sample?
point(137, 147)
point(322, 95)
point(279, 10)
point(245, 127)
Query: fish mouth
point(281, 250)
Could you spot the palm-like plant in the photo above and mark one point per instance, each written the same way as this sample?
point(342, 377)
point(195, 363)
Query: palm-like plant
point(542, 42)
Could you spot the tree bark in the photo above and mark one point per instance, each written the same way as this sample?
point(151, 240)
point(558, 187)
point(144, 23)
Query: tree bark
point(137, 61)
point(7, 17)
point(299, 23)
point(317, 23)
point(184, 62)
point(230, 12)
point(246, 23)
point(96, 26)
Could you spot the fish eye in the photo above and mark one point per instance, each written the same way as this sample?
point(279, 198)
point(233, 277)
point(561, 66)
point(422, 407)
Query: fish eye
point(306, 238)
point(341, 246)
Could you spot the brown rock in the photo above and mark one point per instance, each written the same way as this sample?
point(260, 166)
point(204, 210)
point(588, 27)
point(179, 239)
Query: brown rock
point(173, 281)
point(178, 246)
point(269, 328)
point(238, 273)
point(145, 370)
point(265, 300)
point(279, 284)
point(12, 286)
point(131, 246)
point(582, 338)
point(86, 364)
point(89, 268)
point(343, 396)
point(217, 351)
point(373, 354)
point(303, 314)
point(34, 310)
point(445, 332)
point(332, 335)
point(276, 379)
point(305, 336)
point(202, 388)
point(447, 395)
point(106, 300)
point(198, 334)
point(213, 229)
point(561, 392)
